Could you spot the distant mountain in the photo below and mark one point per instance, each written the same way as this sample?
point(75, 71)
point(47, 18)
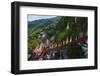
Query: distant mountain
point(41, 23)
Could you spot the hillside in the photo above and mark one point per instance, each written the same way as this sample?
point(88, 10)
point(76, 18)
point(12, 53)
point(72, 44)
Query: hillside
point(42, 23)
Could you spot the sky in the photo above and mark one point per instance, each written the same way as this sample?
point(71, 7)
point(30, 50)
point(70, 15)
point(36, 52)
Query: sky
point(37, 17)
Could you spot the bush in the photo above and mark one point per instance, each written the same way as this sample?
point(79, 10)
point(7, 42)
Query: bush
point(29, 54)
point(57, 55)
point(74, 51)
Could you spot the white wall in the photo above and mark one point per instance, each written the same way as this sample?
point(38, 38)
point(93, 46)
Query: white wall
point(5, 27)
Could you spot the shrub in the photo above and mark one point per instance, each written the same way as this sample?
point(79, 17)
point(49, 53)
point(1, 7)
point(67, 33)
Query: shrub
point(74, 51)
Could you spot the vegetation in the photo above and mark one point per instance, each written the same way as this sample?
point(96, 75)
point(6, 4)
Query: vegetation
point(61, 31)
point(74, 51)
